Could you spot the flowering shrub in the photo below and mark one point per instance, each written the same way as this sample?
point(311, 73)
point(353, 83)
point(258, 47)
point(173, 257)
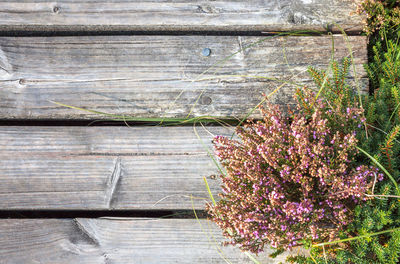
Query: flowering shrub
point(379, 14)
point(289, 179)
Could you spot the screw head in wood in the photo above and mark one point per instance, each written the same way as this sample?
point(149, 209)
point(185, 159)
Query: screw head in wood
point(206, 52)
point(205, 100)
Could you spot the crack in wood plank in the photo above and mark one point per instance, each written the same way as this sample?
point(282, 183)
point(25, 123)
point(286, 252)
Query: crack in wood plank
point(5, 65)
point(240, 45)
point(87, 232)
point(112, 182)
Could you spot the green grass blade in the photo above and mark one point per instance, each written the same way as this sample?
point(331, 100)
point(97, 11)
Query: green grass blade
point(346, 38)
point(214, 243)
point(208, 151)
point(381, 167)
point(224, 60)
point(327, 73)
point(252, 257)
point(114, 117)
point(355, 238)
point(86, 110)
point(393, 113)
point(259, 104)
point(209, 191)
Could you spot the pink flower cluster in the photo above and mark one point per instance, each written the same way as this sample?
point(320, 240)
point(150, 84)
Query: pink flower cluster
point(288, 179)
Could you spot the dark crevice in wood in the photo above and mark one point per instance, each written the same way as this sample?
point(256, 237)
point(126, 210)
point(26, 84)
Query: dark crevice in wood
point(135, 154)
point(24, 33)
point(167, 214)
point(94, 123)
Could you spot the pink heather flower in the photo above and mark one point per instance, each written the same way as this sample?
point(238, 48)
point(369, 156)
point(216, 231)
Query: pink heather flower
point(290, 178)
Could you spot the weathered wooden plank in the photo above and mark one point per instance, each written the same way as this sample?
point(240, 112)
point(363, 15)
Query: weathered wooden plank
point(183, 15)
point(115, 168)
point(158, 76)
point(110, 240)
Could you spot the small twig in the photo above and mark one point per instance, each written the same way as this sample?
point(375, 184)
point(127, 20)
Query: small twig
point(323, 249)
point(382, 195)
point(373, 186)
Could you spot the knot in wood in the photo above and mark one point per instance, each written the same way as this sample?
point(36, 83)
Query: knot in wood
point(56, 9)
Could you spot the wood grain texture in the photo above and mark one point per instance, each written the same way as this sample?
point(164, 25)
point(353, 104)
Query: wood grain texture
point(112, 241)
point(101, 168)
point(183, 15)
point(158, 76)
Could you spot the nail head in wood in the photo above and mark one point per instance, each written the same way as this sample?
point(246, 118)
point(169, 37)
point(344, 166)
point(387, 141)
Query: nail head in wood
point(206, 52)
point(206, 100)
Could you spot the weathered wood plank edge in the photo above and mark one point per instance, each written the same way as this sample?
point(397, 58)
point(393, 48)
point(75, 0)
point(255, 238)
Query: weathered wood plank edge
point(219, 15)
point(159, 76)
point(106, 168)
point(139, 241)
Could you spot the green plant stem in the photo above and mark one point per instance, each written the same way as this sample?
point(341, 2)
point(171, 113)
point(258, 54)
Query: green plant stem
point(209, 191)
point(381, 167)
point(355, 238)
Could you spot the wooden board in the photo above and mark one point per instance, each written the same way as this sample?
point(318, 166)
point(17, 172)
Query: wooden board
point(159, 76)
point(139, 241)
point(97, 168)
point(183, 15)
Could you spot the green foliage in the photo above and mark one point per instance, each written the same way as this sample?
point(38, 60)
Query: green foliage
point(384, 69)
point(380, 139)
point(383, 107)
point(375, 215)
point(380, 15)
point(335, 88)
point(338, 95)
point(387, 149)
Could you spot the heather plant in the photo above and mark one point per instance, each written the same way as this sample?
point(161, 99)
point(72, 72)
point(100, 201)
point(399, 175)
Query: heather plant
point(343, 111)
point(379, 215)
point(259, 187)
point(379, 15)
point(374, 234)
point(290, 179)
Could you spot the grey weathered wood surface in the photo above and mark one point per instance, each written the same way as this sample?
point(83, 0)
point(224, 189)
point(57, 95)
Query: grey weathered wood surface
point(157, 76)
point(113, 168)
point(184, 15)
point(139, 241)
point(149, 168)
